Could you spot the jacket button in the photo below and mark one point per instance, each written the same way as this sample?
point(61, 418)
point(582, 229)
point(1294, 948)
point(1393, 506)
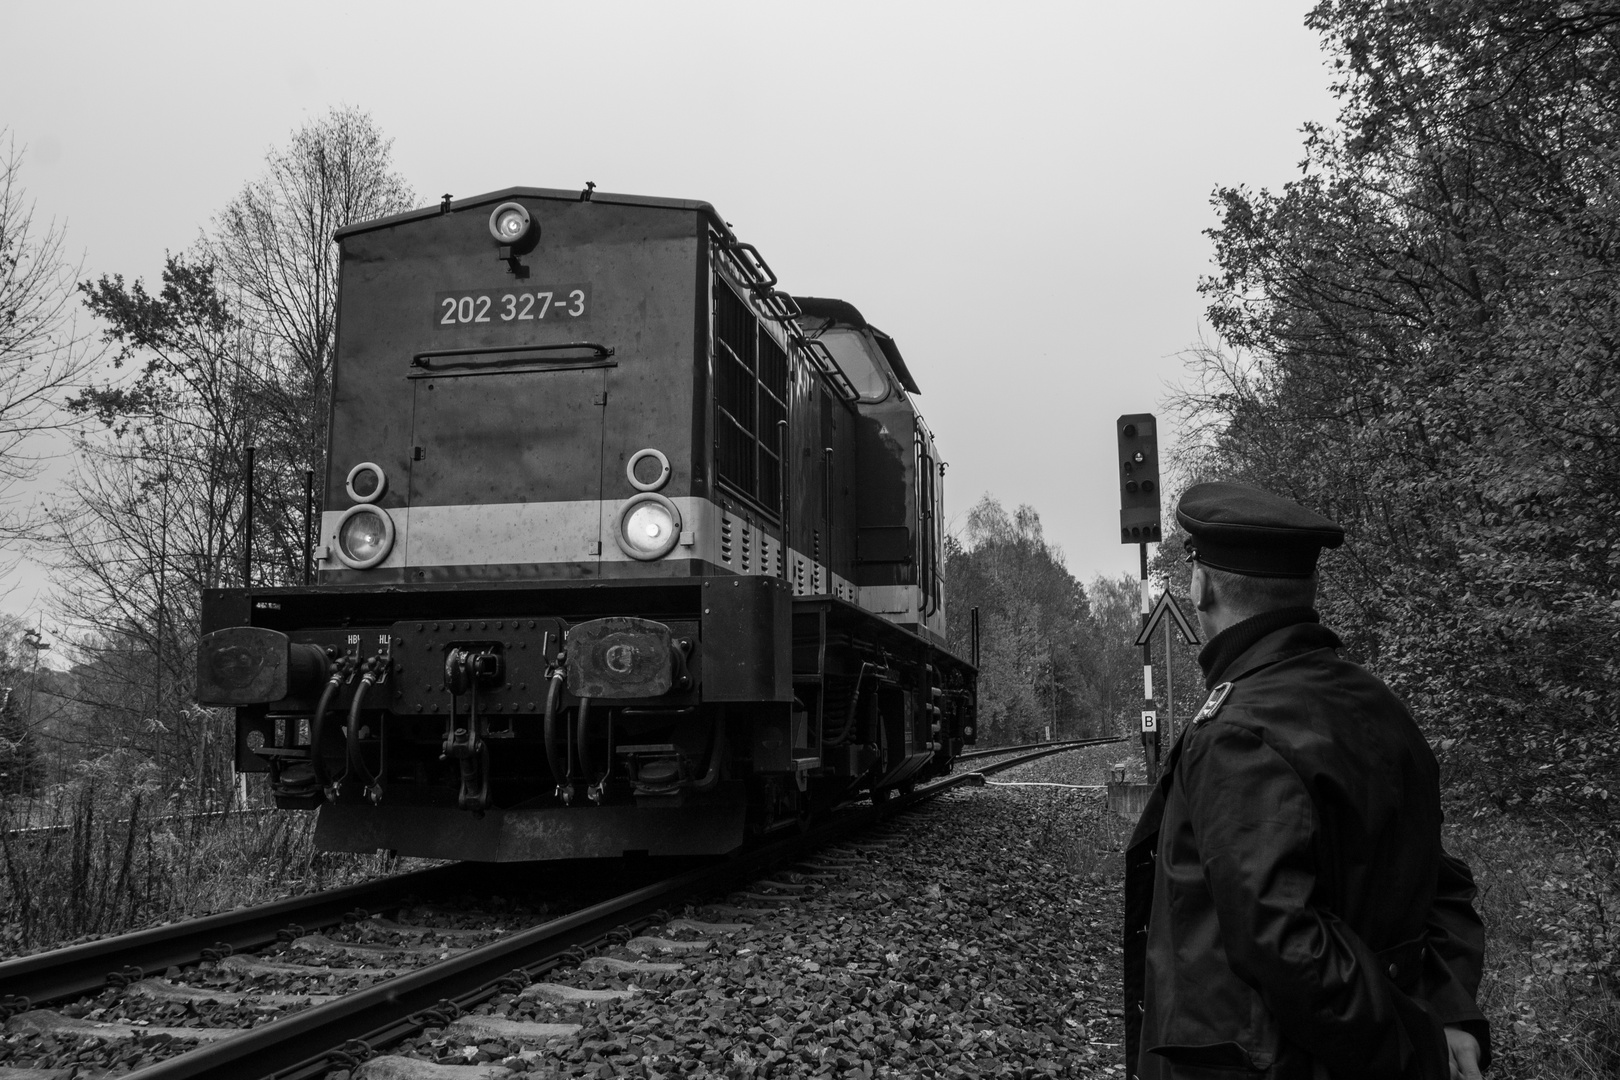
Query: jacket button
point(1394, 972)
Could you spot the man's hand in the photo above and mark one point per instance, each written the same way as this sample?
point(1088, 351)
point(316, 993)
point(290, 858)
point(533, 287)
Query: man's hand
point(1464, 1054)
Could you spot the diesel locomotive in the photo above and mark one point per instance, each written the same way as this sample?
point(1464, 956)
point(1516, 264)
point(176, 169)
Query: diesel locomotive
point(622, 549)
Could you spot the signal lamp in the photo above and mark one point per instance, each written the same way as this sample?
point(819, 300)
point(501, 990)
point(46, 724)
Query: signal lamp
point(365, 535)
point(366, 482)
point(1139, 511)
point(649, 527)
point(510, 224)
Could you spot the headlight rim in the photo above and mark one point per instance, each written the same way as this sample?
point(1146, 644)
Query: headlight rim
point(636, 458)
point(383, 552)
point(511, 241)
point(666, 546)
point(382, 483)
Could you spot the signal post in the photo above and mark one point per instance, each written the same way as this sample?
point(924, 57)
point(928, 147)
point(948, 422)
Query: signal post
point(1140, 524)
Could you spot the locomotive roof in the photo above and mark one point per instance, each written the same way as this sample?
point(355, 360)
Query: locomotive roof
point(845, 313)
point(693, 205)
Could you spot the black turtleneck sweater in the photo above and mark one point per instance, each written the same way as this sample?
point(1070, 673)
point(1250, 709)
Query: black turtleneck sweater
point(1235, 640)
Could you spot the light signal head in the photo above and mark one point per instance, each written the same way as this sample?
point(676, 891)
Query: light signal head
point(1139, 479)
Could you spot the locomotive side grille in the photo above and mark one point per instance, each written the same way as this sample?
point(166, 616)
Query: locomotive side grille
point(725, 537)
point(747, 544)
point(773, 368)
point(750, 391)
point(736, 335)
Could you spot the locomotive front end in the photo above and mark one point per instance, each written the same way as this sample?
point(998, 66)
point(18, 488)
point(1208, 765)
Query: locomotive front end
point(588, 570)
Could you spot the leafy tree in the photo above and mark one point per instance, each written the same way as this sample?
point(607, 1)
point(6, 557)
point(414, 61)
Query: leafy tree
point(1418, 338)
point(1033, 619)
point(22, 764)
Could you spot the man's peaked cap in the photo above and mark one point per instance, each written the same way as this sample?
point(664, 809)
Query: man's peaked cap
point(1245, 530)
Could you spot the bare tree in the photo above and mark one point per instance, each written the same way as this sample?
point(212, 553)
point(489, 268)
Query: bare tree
point(234, 350)
point(41, 351)
point(275, 256)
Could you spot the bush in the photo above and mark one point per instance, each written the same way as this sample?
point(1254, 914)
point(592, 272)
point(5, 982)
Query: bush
point(1550, 898)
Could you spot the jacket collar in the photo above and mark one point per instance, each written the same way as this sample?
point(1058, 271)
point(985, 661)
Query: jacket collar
point(1229, 650)
point(1264, 640)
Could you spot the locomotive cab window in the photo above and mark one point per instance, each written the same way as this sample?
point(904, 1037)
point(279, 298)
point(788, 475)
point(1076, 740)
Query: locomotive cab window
point(866, 372)
point(750, 384)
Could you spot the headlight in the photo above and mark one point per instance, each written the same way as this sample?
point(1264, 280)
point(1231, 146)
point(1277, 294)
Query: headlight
point(366, 482)
point(510, 223)
point(365, 534)
point(649, 527)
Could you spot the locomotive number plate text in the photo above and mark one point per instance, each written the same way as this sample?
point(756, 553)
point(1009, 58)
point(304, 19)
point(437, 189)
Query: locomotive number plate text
point(543, 303)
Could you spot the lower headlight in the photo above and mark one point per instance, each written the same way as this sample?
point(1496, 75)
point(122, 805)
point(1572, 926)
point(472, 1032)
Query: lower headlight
point(365, 535)
point(649, 526)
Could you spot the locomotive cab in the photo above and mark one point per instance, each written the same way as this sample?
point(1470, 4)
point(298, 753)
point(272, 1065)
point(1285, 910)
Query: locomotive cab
point(621, 548)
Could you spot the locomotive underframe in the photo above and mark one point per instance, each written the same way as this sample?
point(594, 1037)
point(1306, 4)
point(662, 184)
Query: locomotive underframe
point(779, 707)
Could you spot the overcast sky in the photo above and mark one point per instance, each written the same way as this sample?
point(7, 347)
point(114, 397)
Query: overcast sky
point(1015, 191)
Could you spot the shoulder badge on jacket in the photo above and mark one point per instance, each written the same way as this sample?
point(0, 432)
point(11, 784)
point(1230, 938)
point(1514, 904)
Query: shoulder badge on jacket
point(1217, 698)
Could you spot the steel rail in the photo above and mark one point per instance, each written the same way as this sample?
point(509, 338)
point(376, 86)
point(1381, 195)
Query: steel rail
point(307, 1044)
point(1063, 744)
point(46, 977)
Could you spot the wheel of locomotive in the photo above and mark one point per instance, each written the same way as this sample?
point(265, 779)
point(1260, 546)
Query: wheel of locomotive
point(775, 801)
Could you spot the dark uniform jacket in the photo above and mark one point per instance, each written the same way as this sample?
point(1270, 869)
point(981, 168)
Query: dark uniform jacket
point(1289, 910)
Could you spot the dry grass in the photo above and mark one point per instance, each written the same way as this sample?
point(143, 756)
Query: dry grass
point(108, 854)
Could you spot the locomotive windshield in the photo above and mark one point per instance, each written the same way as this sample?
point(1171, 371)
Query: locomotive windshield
point(867, 374)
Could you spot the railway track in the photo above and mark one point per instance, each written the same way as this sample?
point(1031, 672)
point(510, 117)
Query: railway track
point(449, 972)
point(1056, 745)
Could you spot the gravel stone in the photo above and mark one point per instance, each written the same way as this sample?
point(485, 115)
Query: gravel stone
point(975, 938)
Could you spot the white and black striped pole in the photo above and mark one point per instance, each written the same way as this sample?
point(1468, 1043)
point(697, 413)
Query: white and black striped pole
point(1150, 717)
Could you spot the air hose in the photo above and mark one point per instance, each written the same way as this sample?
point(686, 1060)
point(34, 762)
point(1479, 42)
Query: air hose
point(717, 753)
point(553, 694)
point(357, 760)
point(318, 727)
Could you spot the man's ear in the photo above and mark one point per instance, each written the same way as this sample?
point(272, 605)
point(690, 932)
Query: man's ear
point(1201, 589)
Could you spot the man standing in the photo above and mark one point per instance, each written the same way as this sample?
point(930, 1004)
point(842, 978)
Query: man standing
point(1289, 911)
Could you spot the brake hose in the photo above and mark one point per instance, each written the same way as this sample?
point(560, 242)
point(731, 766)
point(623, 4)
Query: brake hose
point(356, 760)
point(553, 693)
point(318, 726)
point(717, 754)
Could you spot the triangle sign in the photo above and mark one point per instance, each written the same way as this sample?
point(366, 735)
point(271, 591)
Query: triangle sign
point(1167, 603)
